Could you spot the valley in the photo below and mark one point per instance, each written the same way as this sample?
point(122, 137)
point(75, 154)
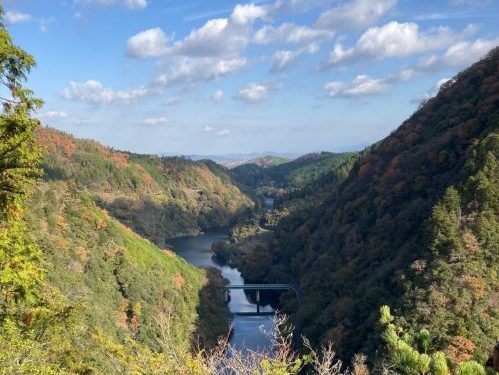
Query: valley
point(384, 259)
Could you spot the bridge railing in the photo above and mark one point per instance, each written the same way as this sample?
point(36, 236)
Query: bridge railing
point(258, 288)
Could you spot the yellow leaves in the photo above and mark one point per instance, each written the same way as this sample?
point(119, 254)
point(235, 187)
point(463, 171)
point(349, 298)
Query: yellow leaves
point(137, 309)
point(60, 222)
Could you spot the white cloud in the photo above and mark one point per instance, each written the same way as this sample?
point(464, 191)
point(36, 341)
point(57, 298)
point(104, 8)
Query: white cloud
point(94, 92)
point(430, 93)
point(130, 4)
point(208, 52)
point(220, 37)
point(294, 6)
point(247, 13)
point(217, 95)
point(283, 59)
point(459, 55)
point(54, 115)
point(189, 71)
point(155, 120)
point(362, 85)
point(13, 16)
point(355, 14)
point(253, 93)
point(393, 39)
point(148, 43)
point(217, 37)
point(218, 132)
point(289, 33)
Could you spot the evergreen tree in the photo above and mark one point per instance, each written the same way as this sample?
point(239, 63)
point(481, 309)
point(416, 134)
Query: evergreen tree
point(19, 273)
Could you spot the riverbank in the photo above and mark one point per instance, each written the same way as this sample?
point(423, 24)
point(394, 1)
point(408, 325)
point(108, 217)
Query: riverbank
point(248, 332)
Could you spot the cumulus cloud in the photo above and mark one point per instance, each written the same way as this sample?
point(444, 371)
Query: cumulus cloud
point(253, 93)
point(148, 43)
point(54, 115)
point(290, 33)
point(94, 92)
point(155, 120)
point(130, 4)
point(362, 85)
point(459, 55)
point(219, 37)
point(354, 14)
point(247, 13)
point(393, 39)
point(13, 16)
point(217, 95)
point(206, 53)
point(189, 71)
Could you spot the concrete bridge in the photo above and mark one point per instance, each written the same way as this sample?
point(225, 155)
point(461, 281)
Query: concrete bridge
point(258, 288)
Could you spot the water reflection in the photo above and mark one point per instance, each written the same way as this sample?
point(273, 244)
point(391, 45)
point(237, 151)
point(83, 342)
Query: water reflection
point(247, 330)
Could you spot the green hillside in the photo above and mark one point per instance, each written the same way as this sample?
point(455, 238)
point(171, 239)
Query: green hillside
point(122, 281)
point(295, 174)
point(414, 226)
point(157, 197)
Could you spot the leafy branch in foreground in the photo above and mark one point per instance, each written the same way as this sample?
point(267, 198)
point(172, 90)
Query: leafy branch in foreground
point(413, 355)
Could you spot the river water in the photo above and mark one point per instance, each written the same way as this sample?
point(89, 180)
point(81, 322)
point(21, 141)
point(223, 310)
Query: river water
point(248, 331)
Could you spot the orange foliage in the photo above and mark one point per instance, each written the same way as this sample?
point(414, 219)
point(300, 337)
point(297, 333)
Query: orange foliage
point(120, 158)
point(460, 349)
point(55, 142)
point(470, 242)
point(122, 319)
point(168, 253)
point(81, 253)
point(178, 280)
point(146, 177)
point(59, 220)
point(101, 224)
point(476, 286)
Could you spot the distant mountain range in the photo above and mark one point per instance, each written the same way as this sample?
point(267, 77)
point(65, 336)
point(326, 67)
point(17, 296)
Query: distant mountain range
point(234, 160)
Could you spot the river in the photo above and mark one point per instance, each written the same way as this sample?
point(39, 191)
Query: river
point(248, 331)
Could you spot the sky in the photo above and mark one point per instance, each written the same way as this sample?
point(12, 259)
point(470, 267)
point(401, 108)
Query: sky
point(220, 76)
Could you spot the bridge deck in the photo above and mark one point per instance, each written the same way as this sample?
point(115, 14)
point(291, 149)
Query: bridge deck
point(262, 313)
point(260, 287)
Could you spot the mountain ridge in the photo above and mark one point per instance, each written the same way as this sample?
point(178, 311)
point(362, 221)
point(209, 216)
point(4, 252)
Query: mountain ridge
point(362, 240)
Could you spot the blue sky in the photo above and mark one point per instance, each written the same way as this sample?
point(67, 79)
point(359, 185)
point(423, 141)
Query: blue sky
point(216, 77)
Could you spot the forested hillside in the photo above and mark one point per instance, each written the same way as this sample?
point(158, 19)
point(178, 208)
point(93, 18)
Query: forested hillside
point(157, 197)
point(292, 175)
point(414, 225)
point(121, 282)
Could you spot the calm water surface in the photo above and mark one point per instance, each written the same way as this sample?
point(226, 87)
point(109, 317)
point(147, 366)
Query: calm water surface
point(247, 330)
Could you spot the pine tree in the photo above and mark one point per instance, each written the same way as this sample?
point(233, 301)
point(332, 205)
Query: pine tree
point(19, 271)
